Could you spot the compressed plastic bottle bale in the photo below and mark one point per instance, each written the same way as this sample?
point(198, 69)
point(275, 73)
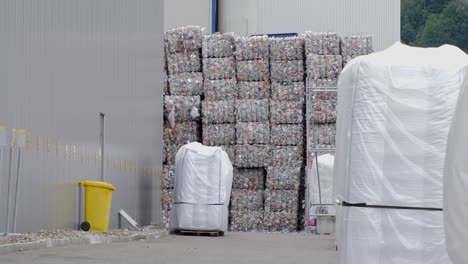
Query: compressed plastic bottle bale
point(283, 178)
point(252, 110)
point(353, 46)
point(324, 107)
point(286, 135)
point(253, 133)
point(287, 71)
point(251, 48)
point(183, 39)
point(324, 111)
point(253, 70)
point(170, 151)
point(182, 132)
point(218, 45)
point(280, 221)
point(219, 68)
point(286, 48)
point(322, 83)
point(218, 112)
point(324, 135)
point(184, 62)
point(324, 66)
point(168, 176)
point(186, 84)
point(322, 43)
point(231, 152)
point(286, 112)
point(167, 199)
point(252, 156)
point(165, 83)
point(287, 156)
point(219, 90)
point(245, 220)
point(246, 199)
point(219, 134)
point(281, 91)
point(281, 200)
point(254, 90)
point(248, 178)
point(166, 218)
point(181, 108)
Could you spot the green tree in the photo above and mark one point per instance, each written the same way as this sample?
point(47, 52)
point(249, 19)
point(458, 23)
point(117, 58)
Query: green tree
point(431, 23)
point(434, 32)
point(435, 6)
point(413, 17)
point(448, 27)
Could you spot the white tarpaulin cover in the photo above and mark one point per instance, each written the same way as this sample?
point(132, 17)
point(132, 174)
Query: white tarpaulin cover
point(325, 163)
point(202, 188)
point(394, 112)
point(456, 182)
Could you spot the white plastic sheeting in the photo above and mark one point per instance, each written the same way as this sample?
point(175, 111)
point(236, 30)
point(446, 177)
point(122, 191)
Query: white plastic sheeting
point(326, 164)
point(202, 188)
point(456, 182)
point(394, 113)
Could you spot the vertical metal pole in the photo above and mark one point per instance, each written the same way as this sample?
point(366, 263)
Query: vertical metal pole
point(308, 145)
point(318, 180)
point(18, 183)
point(10, 165)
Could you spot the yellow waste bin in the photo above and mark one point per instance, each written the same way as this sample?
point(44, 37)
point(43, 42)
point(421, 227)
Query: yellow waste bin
point(98, 200)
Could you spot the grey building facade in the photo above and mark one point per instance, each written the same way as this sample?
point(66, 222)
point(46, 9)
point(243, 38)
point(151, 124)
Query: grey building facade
point(62, 64)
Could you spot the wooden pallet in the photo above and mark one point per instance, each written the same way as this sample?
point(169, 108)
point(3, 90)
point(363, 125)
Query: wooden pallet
point(197, 233)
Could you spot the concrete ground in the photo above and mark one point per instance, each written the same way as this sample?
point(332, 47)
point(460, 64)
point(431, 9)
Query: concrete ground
point(232, 248)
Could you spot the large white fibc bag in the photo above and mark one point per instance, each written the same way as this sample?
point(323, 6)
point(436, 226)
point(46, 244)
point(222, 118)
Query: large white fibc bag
point(393, 116)
point(202, 188)
point(456, 182)
point(324, 195)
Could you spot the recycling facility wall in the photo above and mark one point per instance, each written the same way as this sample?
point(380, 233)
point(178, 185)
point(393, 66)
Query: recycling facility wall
point(62, 63)
point(380, 18)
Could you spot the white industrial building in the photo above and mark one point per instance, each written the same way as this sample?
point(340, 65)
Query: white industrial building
point(380, 18)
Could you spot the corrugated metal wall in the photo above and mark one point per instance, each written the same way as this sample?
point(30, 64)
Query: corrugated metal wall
point(61, 64)
point(381, 18)
point(178, 13)
point(239, 16)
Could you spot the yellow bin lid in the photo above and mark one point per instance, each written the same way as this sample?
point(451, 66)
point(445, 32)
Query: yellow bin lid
point(98, 184)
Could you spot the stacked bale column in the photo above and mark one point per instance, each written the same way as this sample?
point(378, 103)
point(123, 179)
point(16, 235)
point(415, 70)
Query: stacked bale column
point(353, 46)
point(220, 86)
point(246, 211)
point(282, 192)
point(252, 133)
point(324, 64)
point(182, 101)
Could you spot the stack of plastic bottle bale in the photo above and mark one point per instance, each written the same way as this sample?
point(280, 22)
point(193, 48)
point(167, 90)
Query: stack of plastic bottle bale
point(253, 153)
point(324, 64)
point(183, 101)
point(220, 86)
point(287, 134)
point(353, 46)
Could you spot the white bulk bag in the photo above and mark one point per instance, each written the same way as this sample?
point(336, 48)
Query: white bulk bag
point(202, 188)
point(393, 116)
point(325, 163)
point(456, 182)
